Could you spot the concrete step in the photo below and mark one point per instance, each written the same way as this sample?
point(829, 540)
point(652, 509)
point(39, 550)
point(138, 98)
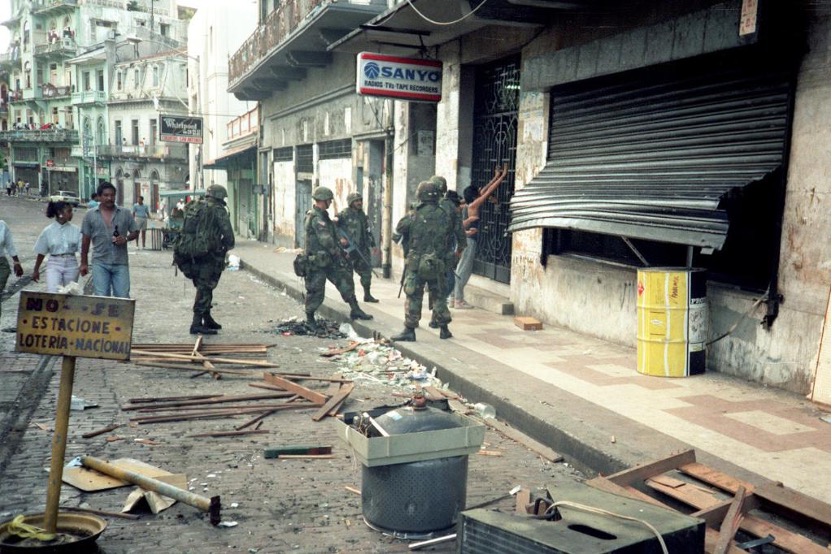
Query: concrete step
point(489, 301)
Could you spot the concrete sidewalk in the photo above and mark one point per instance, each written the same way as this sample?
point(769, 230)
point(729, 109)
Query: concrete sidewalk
point(584, 398)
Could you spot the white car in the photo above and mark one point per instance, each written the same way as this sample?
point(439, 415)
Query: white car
point(67, 196)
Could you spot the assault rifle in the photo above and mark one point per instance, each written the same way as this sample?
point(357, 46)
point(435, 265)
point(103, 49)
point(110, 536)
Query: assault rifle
point(351, 248)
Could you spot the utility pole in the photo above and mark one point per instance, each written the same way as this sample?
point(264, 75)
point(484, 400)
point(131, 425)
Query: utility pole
point(152, 3)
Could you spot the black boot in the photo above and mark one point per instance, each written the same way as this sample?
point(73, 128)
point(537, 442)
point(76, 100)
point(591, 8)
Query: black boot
point(444, 332)
point(357, 313)
point(311, 321)
point(408, 335)
point(433, 324)
point(209, 323)
point(369, 297)
point(197, 328)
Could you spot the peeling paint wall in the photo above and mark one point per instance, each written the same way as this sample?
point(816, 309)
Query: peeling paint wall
point(284, 195)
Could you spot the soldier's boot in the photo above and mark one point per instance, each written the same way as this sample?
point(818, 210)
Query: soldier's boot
point(407, 335)
point(197, 328)
point(356, 312)
point(311, 321)
point(369, 297)
point(209, 323)
point(433, 324)
point(444, 332)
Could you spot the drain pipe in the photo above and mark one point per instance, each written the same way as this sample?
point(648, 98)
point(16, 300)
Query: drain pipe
point(387, 217)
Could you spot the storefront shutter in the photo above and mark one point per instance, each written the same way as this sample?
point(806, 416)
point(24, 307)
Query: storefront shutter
point(650, 154)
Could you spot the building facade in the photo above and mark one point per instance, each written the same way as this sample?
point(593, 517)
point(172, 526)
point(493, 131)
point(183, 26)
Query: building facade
point(638, 135)
point(60, 75)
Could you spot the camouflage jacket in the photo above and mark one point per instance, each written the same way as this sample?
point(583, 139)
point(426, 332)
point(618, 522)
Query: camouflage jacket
point(457, 238)
point(356, 226)
point(322, 245)
point(425, 230)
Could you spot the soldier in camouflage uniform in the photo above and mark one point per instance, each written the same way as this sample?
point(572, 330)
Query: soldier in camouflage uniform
point(427, 230)
point(456, 241)
point(357, 239)
point(205, 271)
point(326, 259)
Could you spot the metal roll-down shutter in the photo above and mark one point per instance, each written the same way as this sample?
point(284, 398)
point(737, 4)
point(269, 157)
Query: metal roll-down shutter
point(650, 154)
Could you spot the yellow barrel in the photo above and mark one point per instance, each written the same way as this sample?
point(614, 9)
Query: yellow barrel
point(672, 321)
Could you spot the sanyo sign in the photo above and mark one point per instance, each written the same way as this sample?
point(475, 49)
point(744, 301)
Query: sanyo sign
point(403, 78)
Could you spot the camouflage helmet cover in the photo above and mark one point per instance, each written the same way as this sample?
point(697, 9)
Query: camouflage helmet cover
point(352, 197)
point(426, 192)
point(441, 183)
point(217, 191)
point(322, 193)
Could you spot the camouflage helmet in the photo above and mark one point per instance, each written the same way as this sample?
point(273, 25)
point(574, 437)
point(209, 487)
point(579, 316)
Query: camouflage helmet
point(441, 184)
point(322, 193)
point(426, 192)
point(352, 197)
point(216, 191)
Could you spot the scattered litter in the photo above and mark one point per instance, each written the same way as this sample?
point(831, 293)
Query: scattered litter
point(325, 329)
point(79, 404)
point(74, 288)
point(233, 262)
point(228, 524)
point(235, 505)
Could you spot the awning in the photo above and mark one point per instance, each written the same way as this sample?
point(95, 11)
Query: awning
point(222, 162)
point(653, 155)
point(33, 165)
point(180, 193)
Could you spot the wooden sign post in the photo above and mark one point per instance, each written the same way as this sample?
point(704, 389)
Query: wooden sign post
point(71, 326)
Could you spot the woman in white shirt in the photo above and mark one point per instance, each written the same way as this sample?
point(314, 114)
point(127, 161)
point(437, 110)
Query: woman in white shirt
point(61, 240)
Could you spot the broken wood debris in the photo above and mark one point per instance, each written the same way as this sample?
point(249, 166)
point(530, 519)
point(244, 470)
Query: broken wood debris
point(298, 449)
point(106, 429)
point(703, 489)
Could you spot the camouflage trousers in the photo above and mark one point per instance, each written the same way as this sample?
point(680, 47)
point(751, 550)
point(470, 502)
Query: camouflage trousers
point(365, 272)
point(337, 274)
point(414, 288)
point(205, 274)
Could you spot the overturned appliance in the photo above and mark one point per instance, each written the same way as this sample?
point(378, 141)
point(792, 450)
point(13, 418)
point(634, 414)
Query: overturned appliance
point(414, 467)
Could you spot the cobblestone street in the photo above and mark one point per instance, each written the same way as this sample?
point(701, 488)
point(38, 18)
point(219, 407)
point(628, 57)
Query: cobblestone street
point(278, 505)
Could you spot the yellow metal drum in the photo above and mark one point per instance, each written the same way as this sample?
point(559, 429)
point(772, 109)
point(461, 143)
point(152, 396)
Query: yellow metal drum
point(672, 321)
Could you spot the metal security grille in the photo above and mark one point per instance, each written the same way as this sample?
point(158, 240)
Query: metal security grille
point(496, 100)
point(283, 154)
point(305, 163)
point(335, 149)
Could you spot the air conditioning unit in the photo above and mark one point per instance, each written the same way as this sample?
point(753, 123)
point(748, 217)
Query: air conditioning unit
point(484, 531)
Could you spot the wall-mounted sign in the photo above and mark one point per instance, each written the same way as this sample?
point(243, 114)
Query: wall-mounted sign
point(178, 128)
point(402, 78)
point(81, 326)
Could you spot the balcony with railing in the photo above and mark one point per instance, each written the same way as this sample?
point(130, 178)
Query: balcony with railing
point(50, 91)
point(293, 37)
point(51, 135)
point(52, 7)
point(243, 125)
point(89, 97)
point(161, 151)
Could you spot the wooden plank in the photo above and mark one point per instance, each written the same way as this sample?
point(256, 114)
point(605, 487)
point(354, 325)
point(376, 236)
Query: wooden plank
point(235, 433)
point(783, 538)
point(730, 524)
point(522, 501)
point(773, 495)
point(515, 435)
point(312, 396)
point(684, 492)
point(528, 323)
point(257, 363)
point(209, 401)
point(642, 472)
point(335, 400)
point(714, 477)
point(168, 365)
point(297, 449)
point(336, 351)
